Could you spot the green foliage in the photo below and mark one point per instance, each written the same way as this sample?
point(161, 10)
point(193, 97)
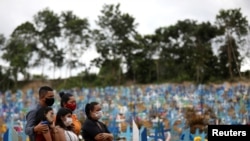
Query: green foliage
point(114, 40)
point(71, 82)
point(232, 22)
point(230, 49)
point(77, 36)
point(247, 74)
point(110, 72)
point(176, 53)
point(6, 83)
point(19, 48)
point(39, 77)
point(48, 30)
point(2, 40)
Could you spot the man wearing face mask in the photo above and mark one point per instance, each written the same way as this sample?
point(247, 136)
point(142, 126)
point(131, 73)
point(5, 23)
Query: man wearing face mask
point(46, 98)
point(69, 101)
point(93, 129)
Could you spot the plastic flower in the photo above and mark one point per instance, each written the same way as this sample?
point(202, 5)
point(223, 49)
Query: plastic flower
point(3, 128)
point(197, 138)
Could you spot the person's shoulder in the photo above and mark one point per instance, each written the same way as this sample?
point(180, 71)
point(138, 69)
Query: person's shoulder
point(33, 110)
point(102, 123)
point(88, 125)
point(88, 122)
point(58, 129)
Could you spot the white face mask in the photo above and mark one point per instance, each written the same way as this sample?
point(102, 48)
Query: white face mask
point(50, 117)
point(68, 121)
point(99, 114)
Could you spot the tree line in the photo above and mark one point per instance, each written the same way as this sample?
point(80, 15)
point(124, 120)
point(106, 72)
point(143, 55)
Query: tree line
point(179, 52)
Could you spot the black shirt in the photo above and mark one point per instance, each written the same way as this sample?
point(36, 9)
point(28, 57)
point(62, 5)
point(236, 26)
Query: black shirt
point(91, 128)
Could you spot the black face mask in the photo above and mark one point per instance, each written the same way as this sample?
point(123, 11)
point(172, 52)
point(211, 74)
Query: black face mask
point(49, 101)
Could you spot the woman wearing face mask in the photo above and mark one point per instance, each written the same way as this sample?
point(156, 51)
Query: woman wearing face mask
point(44, 115)
point(93, 129)
point(63, 130)
point(69, 101)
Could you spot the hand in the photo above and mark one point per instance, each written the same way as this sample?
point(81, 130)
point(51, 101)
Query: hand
point(108, 136)
point(52, 126)
point(73, 126)
point(100, 137)
point(104, 137)
point(41, 128)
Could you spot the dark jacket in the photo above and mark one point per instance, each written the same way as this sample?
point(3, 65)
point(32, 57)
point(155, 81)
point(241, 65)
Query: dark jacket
point(90, 129)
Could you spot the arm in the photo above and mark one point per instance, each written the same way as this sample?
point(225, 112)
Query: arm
point(59, 134)
point(104, 136)
point(47, 135)
point(89, 130)
point(108, 136)
point(29, 127)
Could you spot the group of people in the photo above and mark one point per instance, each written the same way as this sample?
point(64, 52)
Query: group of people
point(44, 125)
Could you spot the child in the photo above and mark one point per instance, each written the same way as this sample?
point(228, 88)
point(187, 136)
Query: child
point(44, 115)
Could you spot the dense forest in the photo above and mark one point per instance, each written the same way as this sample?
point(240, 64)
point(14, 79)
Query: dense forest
point(174, 53)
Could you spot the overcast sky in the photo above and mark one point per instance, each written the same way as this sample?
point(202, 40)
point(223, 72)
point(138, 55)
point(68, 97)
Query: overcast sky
point(149, 14)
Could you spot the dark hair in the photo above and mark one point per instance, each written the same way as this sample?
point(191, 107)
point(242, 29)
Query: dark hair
point(90, 107)
point(41, 114)
point(44, 90)
point(60, 113)
point(64, 97)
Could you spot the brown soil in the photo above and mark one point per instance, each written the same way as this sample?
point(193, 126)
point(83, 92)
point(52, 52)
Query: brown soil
point(34, 85)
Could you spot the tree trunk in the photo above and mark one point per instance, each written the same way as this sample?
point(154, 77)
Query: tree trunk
point(235, 60)
point(157, 70)
point(229, 54)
